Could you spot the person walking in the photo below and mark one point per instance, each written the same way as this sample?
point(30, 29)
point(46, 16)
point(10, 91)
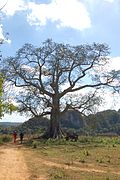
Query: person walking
point(14, 136)
point(21, 137)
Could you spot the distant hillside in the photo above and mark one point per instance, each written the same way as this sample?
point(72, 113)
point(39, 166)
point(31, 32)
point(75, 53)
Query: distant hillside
point(73, 119)
point(99, 123)
point(9, 124)
point(104, 122)
point(8, 127)
point(34, 124)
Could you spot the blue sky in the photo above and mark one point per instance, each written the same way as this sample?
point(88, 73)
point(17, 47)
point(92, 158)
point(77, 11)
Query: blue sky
point(67, 21)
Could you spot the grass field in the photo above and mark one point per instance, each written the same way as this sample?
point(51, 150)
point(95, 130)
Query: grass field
point(91, 158)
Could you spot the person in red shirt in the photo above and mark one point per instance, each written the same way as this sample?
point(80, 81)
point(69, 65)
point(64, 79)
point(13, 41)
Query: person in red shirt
point(14, 136)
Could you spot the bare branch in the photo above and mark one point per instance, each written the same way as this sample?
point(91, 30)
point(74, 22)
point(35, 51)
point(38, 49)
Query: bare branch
point(3, 5)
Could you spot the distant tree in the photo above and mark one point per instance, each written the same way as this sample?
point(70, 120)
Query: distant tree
point(55, 78)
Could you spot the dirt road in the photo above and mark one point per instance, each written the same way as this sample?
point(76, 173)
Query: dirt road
point(12, 164)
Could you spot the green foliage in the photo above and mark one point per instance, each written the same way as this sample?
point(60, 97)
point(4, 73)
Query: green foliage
point(35, 144)
point(57, 174)
point(1, 141)
point(5, 138)
point(105, 122)
point(5, 107)
point(10, 108)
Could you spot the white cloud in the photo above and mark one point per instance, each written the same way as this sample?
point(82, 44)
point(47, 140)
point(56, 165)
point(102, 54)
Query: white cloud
point(9, 8)
point(2, 37)
point(110, 1)
point(1, 33)
point(114, 63)
point(8, 41)
point(66, 13)
point(98, 1)
point(111, 101)
point(14, 117)
point(13, 6)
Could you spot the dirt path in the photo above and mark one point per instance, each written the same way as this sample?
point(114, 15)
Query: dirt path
point(12, 164)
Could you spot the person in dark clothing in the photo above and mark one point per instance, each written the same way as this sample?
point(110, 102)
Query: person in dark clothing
point(21, 137)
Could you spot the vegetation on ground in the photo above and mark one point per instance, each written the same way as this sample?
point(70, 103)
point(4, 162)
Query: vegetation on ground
point(5, 139)
point(91, 158)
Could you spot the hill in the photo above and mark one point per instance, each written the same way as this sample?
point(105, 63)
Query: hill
point(8, 127)
point(34, 124)
point(73, 119)
point(9, 124)
point(102, 122)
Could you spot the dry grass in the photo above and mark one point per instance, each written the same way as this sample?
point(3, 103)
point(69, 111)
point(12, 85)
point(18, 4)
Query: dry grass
point(78, 161)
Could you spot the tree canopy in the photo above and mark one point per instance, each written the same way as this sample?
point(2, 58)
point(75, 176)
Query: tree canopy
point(54, 78)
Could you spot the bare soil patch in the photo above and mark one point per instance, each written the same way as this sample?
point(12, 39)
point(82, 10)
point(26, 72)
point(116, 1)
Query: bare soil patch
point(12, 164)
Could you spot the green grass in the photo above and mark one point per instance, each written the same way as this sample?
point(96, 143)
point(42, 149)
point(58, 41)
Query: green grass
point(57, 173)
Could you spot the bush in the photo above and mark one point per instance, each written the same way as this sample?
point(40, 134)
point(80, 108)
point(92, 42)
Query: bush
point(1, 141)
point(5, 138)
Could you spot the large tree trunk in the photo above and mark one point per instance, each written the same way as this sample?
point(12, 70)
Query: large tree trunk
point(55, 130)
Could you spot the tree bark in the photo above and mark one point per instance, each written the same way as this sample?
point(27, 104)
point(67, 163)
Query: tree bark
point(55, 129)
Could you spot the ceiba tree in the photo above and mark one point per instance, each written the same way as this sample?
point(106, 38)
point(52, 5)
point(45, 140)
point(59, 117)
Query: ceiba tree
point(54, 78)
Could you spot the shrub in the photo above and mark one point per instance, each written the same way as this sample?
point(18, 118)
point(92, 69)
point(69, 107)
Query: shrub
point(5, 138)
